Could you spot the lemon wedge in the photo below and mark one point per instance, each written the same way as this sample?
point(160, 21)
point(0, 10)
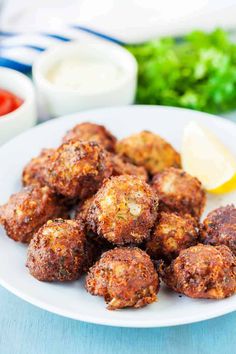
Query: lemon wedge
point(207, 158)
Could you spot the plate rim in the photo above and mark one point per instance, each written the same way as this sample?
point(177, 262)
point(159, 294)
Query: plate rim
point(111, 108)
point(113, 322)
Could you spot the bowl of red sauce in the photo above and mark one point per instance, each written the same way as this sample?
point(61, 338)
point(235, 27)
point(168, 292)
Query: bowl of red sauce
point(17, 104)
point(9, 102)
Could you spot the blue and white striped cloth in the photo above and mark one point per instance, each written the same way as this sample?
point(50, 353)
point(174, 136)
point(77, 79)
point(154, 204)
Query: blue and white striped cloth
point(19, 50)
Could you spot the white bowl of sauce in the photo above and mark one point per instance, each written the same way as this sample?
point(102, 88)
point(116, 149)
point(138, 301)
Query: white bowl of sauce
point(81, 75)
point(17, 104)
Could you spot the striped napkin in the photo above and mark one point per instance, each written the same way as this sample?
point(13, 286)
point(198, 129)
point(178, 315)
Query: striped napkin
point(19, 50)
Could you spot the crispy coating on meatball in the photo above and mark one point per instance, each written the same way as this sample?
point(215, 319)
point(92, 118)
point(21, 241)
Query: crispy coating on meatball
point(35, 171)
point(148, 150)
point(171, 234)
point(179, 192)
point(92, 132)
point(203, 271)
point(57, 251)
point(78, 168)
point(123, 211)
point(219, 228)
point(120, 167)
point(125, 277)
point(96, 244)
point(82, 209)
point(26, 211)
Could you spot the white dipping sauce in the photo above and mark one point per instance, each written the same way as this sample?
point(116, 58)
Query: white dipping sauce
point(85, 76)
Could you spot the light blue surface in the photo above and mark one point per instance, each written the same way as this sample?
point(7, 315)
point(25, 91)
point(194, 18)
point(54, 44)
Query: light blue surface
point(25, 329)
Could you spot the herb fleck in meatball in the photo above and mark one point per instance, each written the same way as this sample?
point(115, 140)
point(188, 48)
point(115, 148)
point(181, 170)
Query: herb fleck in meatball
point(78, 168)
point(123, 211)
point(120, 167)
point(92, 132)
point(219, 227)
point(26, 211)
point(35, 171)
point(125, 277)
point(57, 251)
point(172, 233)
point(179, 192)
point(148, 150)
point(203, 271)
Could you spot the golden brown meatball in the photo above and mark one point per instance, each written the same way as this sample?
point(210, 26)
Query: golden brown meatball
point(172, 233)
point(123, 211)
point(78, 168)
point(120, 167)
point(34, 172)
point(179, 192)
point(125, 277)
point(219, 228)
point(148, 150)
point(92, 132)
point(26, 211)
point(203, 271)
point(57, 251)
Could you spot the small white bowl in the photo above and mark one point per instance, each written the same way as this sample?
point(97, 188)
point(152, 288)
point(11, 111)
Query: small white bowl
point(60, 101)
point(24, 117)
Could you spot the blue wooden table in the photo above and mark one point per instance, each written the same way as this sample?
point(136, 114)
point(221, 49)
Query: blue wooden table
point(25, 329)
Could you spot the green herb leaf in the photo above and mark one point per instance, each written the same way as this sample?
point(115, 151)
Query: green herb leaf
point(198, 72)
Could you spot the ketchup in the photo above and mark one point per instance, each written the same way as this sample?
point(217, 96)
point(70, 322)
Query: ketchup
point(8, 102)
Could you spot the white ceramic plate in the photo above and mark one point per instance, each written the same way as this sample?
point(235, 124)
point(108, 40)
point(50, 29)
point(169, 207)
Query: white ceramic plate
point(71, 299)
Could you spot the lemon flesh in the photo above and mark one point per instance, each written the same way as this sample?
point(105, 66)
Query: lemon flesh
point(207, 158)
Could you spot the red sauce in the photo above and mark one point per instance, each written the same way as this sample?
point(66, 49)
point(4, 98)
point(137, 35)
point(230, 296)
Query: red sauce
point(8, 102)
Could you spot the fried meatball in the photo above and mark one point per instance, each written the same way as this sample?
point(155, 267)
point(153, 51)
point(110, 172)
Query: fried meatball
point(172, 233)
point(34, 172)
point(57, 251)
point(120, 167)
point(179, 192)
point(219, 228)
point(78, 168)
point(203, 271)
point(123, 211)
point(82, 209)
point(26, 211)
point(125, 277)
point(96, 244)
point(148, 150)
point(92, 132)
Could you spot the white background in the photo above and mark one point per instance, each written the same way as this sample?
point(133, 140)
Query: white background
point(130, 20)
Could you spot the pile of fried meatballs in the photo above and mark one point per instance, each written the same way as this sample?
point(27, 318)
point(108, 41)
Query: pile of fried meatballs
point(125, 213)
